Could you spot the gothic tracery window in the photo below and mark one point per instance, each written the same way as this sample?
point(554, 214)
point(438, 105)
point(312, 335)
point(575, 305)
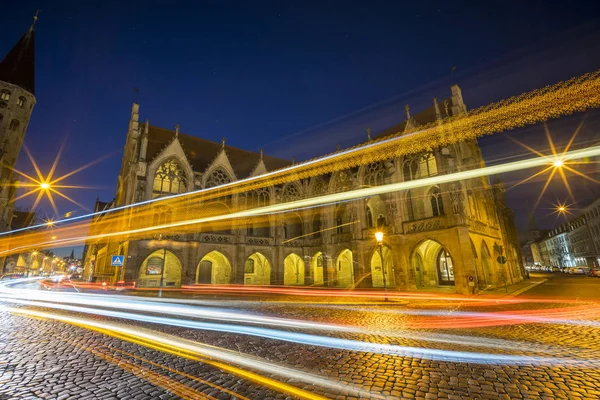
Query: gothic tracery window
point(369, 218)
point(428, 165)
point(410, 169)
point(342, 182)
point(290, 193)
point(258, 198)
point(437, 206)
point(319, 187)
point(217, 177)
point(374, 173)
point(169, 179)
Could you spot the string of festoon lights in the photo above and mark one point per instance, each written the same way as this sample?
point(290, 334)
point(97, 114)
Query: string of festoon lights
point(194, 209)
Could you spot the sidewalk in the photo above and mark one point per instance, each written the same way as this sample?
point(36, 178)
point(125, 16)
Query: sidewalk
point(513, 290)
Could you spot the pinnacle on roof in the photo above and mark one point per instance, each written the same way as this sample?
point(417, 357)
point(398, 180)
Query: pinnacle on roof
point(18, 67)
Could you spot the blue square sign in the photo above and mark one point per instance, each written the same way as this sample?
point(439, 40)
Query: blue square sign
point(117, 261)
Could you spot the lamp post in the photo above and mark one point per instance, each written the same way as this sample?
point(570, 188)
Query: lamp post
point(379, 238)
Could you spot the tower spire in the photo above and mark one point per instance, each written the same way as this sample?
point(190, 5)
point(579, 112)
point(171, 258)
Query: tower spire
point(18, 67)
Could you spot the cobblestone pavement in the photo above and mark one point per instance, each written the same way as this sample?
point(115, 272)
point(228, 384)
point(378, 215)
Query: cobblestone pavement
point(47, 359)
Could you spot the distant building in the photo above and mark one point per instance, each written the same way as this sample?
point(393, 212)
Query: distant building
point(592, 216)
point(575, 243)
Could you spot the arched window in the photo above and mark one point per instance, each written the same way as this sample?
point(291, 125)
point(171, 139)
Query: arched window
point(21, 101)
point(168, 179)
point(316, 226)
point(374, 174)
point(427, 165)
point(249, 266)
point(410, 169)
point(381, 222)
point(5, 95)
point(437, 206)
point(369, 218)
point(290, 193)
point(258, 198)
point(14, 125)
point(217, 178)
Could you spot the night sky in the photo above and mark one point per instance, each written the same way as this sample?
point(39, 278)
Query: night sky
point(295, 78)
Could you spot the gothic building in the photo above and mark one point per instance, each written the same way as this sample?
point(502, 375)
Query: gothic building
point(17, 98)
point(444, 237)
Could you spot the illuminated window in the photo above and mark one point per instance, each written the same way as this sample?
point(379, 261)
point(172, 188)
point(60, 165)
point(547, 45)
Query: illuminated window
point(5, 95)
point(427, 165)
point(168, 179)
point(21, 101)
point(445, 268)
point(410, 169)
point(374, 174)
point(249, 266)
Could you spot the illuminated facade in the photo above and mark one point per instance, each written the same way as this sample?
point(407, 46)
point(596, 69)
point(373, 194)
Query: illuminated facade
point(439, 237)
point(17, 98)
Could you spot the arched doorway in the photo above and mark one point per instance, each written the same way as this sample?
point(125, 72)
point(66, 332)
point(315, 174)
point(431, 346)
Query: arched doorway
point(151, 269)
point(432, 264)
point(257, 270)
point(344, 269)
point(293, 270)
point(214, 268)
point(486, 264)
point(376, 270)
point(317, 269)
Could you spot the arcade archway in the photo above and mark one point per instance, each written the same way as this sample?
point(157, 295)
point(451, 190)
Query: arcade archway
point(214, 268)
point(376, 270)
point(151, 269)
point(317, 269)
point(293, 270)
point(432, 264)
point(257, 270)
point(344, 269)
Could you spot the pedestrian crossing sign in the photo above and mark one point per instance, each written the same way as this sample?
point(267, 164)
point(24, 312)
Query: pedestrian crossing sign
point(117, 261)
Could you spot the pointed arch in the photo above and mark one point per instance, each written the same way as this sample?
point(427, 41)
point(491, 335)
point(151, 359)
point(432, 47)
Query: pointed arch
point(486, 263)
point(169, 178)
point(217, 177)
point(317, 269)
point(290, 192)
point(214, 268)
point(344, 269)
point(293, 272)
point(435, 201)
point(257, 270)
point(150, 270)
point(377, 270)
point(432, 264)
point(292, 225)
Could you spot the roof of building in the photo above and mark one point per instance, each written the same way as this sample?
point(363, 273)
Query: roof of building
point(21, 219)
point(18, 67)
point(201, 152)
point(422, 118)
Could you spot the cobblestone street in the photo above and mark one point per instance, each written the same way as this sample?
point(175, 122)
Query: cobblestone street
point(556, 356)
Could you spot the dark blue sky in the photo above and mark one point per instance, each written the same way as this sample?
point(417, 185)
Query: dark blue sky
point(293, 77)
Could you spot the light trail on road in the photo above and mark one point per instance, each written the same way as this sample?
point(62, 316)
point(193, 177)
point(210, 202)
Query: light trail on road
point(449, 320)
point(211, 355)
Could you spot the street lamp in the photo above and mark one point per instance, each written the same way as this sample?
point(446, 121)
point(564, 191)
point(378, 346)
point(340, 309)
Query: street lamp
point(379, 238)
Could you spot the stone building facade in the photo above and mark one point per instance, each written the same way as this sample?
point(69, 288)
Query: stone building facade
point(17, 98)
point(438, 237)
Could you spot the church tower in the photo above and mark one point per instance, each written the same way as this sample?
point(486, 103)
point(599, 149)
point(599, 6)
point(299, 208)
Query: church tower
point(17, 98)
